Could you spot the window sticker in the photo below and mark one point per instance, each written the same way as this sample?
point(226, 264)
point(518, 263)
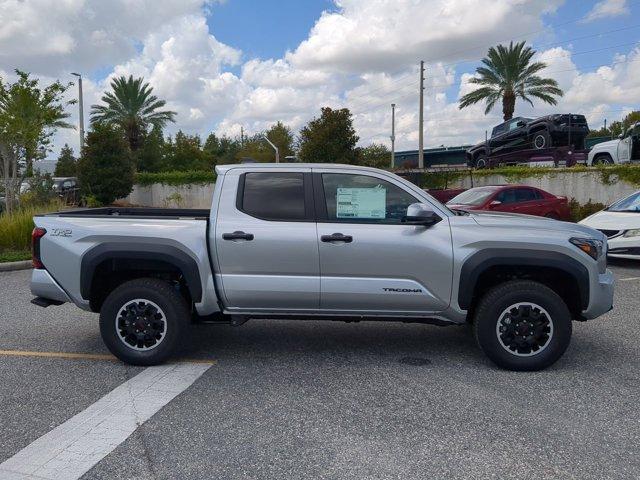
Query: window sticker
point(361, 202)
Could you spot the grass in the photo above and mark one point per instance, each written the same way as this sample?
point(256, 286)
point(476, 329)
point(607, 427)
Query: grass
point(15, 230)
point(14, 255)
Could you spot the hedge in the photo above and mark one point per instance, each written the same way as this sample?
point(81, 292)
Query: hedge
point(175, 178)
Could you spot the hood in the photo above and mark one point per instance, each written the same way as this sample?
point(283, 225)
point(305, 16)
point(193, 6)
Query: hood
point(605, 220)
point(530, 222)
point(606, 145)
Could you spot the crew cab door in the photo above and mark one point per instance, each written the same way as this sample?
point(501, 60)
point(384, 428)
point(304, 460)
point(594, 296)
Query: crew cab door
point(370, 261)
point(265, 240)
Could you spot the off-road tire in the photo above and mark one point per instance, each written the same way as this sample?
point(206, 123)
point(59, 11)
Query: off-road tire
point(173, 309)
point(487, 321)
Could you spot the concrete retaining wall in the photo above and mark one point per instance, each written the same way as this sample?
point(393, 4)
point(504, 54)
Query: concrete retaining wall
point(583, 186)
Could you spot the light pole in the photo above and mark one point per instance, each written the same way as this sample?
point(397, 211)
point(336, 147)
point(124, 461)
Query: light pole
point(81, 108)
point(274, 147)
point(393, 134)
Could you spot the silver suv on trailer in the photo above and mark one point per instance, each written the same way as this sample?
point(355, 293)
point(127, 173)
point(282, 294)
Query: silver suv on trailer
point(323, 241)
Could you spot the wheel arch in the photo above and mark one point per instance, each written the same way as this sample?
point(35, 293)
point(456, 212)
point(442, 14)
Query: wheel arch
point(487, 268)
point(121, 261)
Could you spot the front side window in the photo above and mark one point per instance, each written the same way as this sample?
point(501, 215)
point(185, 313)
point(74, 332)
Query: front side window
point(274, 196)
point(507, 196)
point(364, 199)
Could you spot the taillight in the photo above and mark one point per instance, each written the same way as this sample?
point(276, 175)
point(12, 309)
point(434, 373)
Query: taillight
point(36, 235)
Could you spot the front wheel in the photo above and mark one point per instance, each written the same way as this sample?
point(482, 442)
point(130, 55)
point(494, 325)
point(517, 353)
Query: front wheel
point(142, 321)
point(541, 140)
point(522, 325)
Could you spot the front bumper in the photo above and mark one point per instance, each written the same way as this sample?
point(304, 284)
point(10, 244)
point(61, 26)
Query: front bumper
point(624, 247)
point(600, 296)
point(43, 285)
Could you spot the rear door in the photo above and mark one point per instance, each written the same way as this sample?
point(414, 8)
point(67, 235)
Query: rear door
point(266, 242)
point(526, 201)
point(370, 261)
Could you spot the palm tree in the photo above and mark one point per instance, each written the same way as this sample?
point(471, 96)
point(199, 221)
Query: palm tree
point(132, 106)
point(507, 74)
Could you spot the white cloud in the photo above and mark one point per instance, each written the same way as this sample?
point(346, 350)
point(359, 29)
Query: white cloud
point(363, 56)
point(607, 8)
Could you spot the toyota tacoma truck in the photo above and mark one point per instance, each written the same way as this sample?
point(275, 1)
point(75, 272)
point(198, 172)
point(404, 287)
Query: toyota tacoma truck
point(520, 133)
point(313, 241)
point(624, 149)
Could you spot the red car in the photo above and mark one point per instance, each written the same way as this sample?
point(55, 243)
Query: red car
point(513, 199)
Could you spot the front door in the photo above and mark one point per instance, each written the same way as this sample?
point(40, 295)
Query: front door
point(370, 261)
point(624, 147)
point(266, 244)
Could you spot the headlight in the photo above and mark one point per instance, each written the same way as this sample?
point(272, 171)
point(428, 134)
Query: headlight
point(632, 233)
point(591, 246)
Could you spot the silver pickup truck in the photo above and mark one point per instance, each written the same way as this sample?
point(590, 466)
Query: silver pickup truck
point(316, 241)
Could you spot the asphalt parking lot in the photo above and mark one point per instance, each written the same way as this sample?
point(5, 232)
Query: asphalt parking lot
point(332, 400)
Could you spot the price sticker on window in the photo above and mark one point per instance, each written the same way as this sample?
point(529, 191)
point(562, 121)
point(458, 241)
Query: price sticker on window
point(361, 202)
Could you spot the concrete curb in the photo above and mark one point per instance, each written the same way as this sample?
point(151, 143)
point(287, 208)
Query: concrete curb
point(12, 266)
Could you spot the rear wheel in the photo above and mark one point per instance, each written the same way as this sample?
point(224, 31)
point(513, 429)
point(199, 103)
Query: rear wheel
point(522, 325)
point(541, 140)
point(142, 321)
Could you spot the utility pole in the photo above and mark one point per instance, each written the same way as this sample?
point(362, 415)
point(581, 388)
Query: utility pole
point(421, 119)
point(274, 147)
point(81, 108)
point(241, 136)
point(393, 134)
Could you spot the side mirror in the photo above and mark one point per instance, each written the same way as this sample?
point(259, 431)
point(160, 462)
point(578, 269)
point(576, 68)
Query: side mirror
point(621, 136)
point(495, 203)
point(521, 124)
point(420, 214)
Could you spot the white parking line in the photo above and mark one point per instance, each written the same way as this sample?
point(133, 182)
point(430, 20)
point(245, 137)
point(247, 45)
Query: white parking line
point(71, 449)
point(628, 279)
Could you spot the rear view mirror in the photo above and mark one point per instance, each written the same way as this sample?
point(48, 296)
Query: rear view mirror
point(420, 214)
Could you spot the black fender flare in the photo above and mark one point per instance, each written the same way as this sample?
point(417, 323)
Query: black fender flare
point(479, 262)
point(120, 252)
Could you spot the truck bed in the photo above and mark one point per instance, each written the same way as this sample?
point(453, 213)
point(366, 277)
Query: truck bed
point(134, 212)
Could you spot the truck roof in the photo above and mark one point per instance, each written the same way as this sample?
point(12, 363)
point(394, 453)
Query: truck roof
point(221, 169)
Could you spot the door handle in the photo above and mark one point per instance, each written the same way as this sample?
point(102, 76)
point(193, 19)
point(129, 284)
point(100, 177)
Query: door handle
point(237, 235)
point(337, 237)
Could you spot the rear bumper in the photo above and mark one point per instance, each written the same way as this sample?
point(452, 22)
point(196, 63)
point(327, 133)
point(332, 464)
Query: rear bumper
point(43, 285)
point(600, 297)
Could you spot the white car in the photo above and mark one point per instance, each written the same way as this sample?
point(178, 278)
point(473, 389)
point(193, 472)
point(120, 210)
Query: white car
point(621, 224)
point(623, 149)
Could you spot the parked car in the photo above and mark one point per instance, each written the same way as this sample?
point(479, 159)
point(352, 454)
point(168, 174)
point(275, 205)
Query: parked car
point(513, 199)
point(67, 189)
point(621, 224)
point(443, 195)
point(521, 133)
point(623, 149)
point(317, 241)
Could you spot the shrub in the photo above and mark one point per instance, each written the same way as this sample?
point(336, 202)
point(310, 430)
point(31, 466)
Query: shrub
point(175, 178)
point(15, 229)
point(580, 211)
point(105, 169)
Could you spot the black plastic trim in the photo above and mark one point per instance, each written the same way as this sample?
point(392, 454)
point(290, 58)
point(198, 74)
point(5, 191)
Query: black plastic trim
point(491, 257)
point(136, 212)
point(116, 252)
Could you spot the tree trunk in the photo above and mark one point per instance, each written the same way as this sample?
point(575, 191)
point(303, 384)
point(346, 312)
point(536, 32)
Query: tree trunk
point(508, 104)
point(9, 172)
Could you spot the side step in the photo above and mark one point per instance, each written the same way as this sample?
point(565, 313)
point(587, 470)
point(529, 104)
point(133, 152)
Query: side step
point(45, 302)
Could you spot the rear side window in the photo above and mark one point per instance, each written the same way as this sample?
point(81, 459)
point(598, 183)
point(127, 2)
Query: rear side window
point(273, 196)
point(525, 195)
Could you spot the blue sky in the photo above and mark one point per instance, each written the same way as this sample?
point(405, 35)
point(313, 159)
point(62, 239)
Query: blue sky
point(227, 65)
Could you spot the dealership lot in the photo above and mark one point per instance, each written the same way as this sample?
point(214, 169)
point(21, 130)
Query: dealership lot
point(332, 400)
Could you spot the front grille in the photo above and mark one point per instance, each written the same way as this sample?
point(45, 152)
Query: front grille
point(612, 233)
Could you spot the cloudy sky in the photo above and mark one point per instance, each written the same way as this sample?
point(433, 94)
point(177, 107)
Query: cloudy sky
point(229, 63)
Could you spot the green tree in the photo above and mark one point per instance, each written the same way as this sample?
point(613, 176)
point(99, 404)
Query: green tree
point(221, 150)
point(282, 137)
point(29, 116)
point(616, 127)
point(150, 157)
point(509, 74)
point(66, 166)
point(132, 106)
point(185, 153)
point(329, 139)
point(105, 169)
point(375, 155)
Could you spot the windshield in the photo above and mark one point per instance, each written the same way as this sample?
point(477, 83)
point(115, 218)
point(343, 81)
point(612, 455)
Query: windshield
point(629, 204)
point(473, 196)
